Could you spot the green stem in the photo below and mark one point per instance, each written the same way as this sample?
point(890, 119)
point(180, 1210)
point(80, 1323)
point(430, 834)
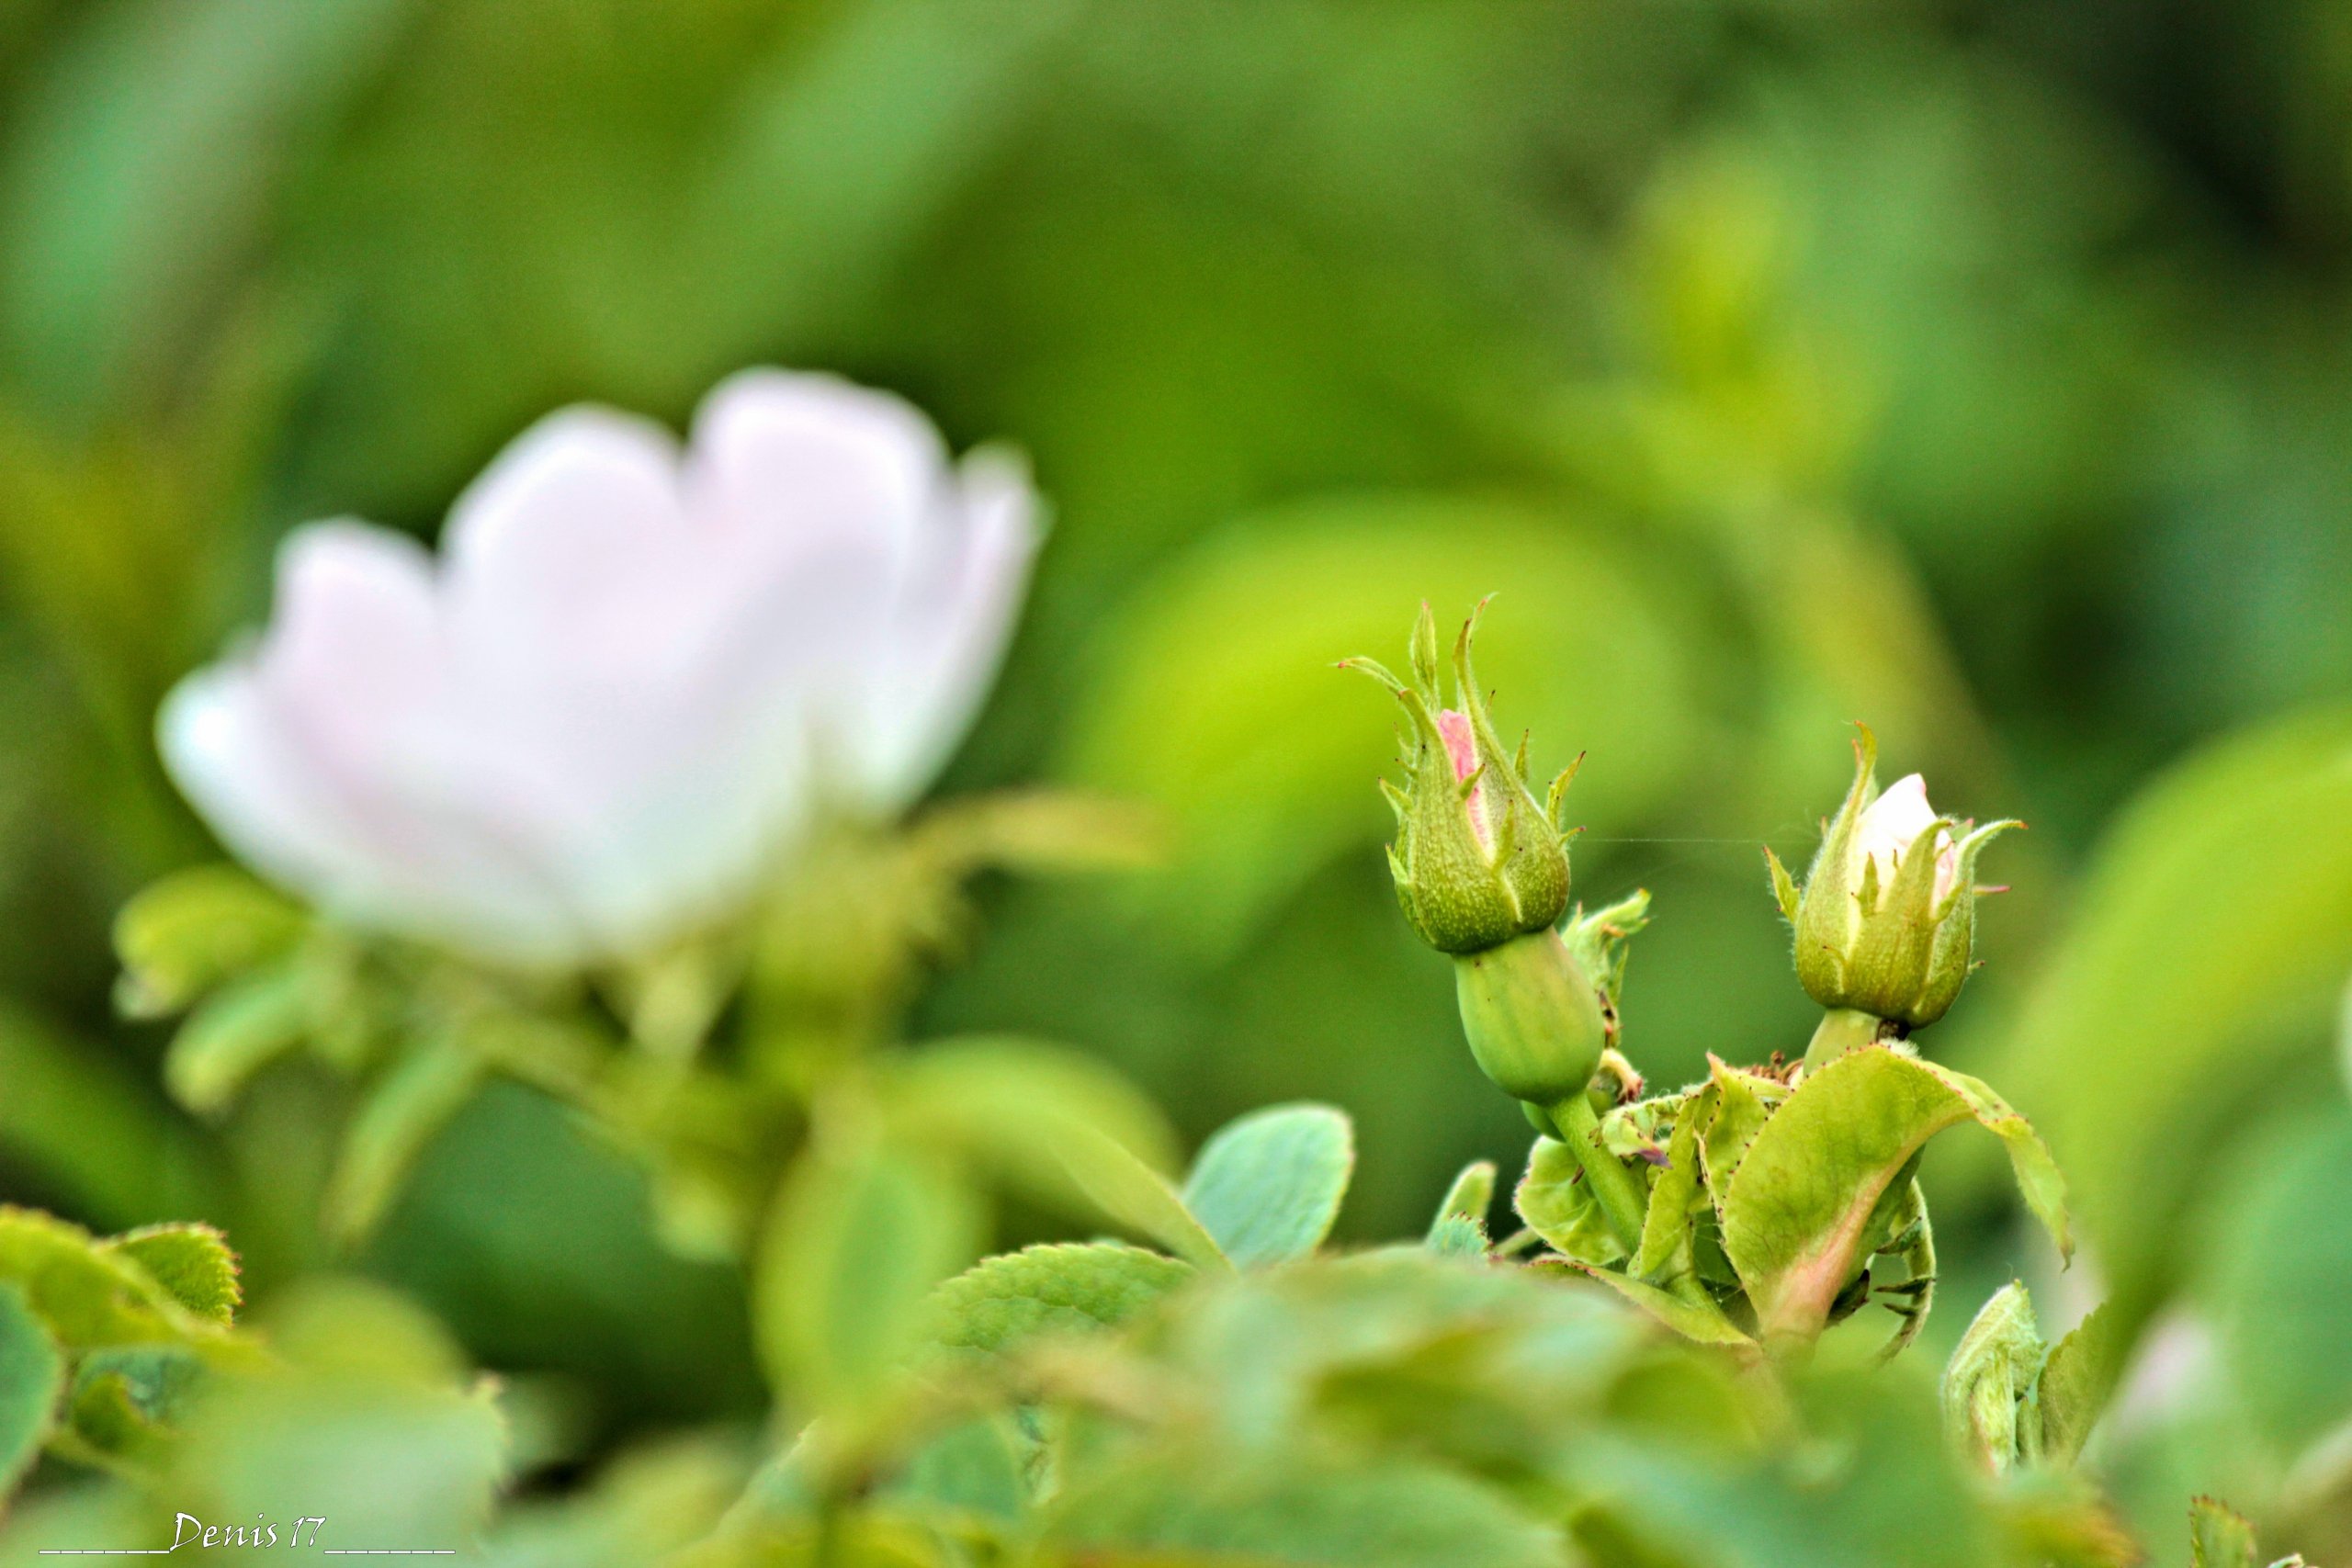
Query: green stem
point(1842, 1030)
point(1617, 1189)
point(826, 1552)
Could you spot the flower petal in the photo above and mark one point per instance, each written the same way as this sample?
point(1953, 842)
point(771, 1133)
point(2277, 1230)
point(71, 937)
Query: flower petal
point(323, 756)
point(794, 461)
point(573, 547)
point(948, 629)
point(603, 717)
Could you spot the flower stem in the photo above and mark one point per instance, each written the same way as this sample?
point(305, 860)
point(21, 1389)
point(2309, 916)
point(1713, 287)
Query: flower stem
point(1842, 1030)
point(1617, 1189)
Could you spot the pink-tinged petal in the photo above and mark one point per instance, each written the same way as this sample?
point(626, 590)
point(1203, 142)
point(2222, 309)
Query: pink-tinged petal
point(355, 644)
point(266, 803)
point(790, 462)
point(690, 814)
point(1890, 825)
point(573, 549)
point(266, 788)
point(350, 707)
point(1462, 751)
point(1461, 745)
point(947, 634)
point(612, 707)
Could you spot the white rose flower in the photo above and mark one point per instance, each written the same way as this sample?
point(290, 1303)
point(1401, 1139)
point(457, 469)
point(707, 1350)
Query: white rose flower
point(633, 672)
point(1887, 827)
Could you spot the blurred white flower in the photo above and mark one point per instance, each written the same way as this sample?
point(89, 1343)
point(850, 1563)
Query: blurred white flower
point(627, 681)
point(1887, 827)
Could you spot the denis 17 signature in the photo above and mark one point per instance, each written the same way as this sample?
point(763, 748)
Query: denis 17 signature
point(300, 1533)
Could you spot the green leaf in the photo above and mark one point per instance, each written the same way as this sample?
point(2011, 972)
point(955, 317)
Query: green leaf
point(2274, 1277)
point(1056, 1288)
point(2208, 950)
point(180, 937)
point(1797, 1218)
point(1203, 1507)
point(1135, 1196)
point(1460, 1229)
point(2077, 1381)
point(1986, 1381)
point(1693, 1318)
point(124, 1399)
point(1912, 1239)
point(862, 1539)
point(1012, 1105)
point(366, 1411)
point(1268, 1185)
point(88, 1295)
point(32, 1373)
point(1471, 1196)
point(403, 1111)
point(190, 1260)
point(1557, 1205)
point(976, 1469)
point(1458, 1236)
point(1739, 1114)
point(2218, 1536)
point(1844, 1469)
point(235, 1033)
point(862, 1231)
point(1674, 1195)
point(645, 1506)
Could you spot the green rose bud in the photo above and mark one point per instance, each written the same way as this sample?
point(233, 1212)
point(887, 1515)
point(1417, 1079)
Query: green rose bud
point(1888, 911)
point(1478, 859)
point(1532, 1017)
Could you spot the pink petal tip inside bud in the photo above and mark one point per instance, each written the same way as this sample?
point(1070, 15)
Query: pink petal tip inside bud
point(1460, 749)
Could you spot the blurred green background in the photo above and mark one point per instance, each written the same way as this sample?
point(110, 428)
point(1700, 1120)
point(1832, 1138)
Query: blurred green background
point(1982, 370)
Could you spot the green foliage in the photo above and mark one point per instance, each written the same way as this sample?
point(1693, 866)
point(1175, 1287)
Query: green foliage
point(1989, 1385)
point(1460, 1229)
point(1268, 1186)
point(1810, 1199)
point(1141, 1199)
point(860, 1235)
point(648, 1504)
point(1013, 1106)
point(236, 1031)
point(406, 1106)
point(32, 1374)
point(2078, 1378)
point(1557, 1205)
point(1768, 1206)
point(2215, 933)
point(363, 1412)
point(90, 1294)
point(1952, 367)
point(2012, 1400)
point(192, 1261)
point(997, 1306)
point(189, 932)
point(2218, 1536)
point(103, 1341)
point(1471, 1194)
point(1222, 1507)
